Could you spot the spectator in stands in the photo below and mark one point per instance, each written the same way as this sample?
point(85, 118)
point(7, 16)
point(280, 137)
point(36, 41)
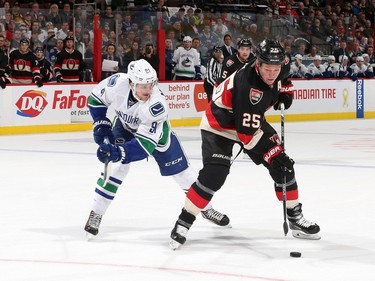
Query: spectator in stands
point(133, 54)
point(233, 27)
point(317, 30)
point(354, 52)
point(179, 17)
point(150, 56)
point(196, 44)
point(108, 18)
point(370, 52)
point(342, 50)
point(34, 41)
point(228, 49)
point(368, 31)
point(209, 39)
point(54, 16)
point(301, 50)
point(315, 69)
point(110, 55)
point(313, 52)
point(127, 23)
point(297, 68)
point(50, 42)
point(35, 27)
point(67, 14)
point(179, 33)
point(63, 31)
point(168, 59)
point(17, 36)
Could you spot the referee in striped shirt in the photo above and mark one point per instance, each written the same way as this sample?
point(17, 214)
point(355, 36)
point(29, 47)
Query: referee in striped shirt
point(213, 71)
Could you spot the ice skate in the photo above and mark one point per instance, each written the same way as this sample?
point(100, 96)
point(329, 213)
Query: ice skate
point(178, 236)
point(216, 217)
point(93, 223)
point(301, 227)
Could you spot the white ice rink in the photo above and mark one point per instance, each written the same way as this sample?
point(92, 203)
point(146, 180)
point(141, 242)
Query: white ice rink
point(47, 187)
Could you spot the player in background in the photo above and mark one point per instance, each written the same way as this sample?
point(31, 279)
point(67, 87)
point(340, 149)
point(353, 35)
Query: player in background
point(237, 60)
point(23, 65)
point(69, 65)
point(46, 71)
point(141, 129)
point(186, 61)
point(297, 68)
point(236, 114)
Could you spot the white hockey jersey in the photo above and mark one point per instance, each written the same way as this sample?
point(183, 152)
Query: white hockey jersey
point(297, 71)
point(147, 120)
point(186, 60)
point(314, 70)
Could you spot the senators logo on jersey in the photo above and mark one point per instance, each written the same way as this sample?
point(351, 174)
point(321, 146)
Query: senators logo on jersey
point(229, 63)
point(255, 96)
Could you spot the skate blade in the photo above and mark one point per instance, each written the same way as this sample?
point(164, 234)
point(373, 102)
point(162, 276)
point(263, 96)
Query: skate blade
point(302, 235)
point(174, 245)
point(89, 236)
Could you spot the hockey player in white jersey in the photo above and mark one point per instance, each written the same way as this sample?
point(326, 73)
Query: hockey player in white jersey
point(187, 62)
point(330, 67)
point(297, 68)
point(315, 69)
point(360, 70)
point(141, 129)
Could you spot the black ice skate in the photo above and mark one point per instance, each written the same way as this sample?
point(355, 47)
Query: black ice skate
point(216, 217)
point(179, 232)
point(93, 223)
point(301, 227)
point(178, 236)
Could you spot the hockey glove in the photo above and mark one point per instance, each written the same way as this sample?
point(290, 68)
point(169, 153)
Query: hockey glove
point(285, 95)
point(3, 83)
point(282, 160)
point(103, 129)
point(308, 76)
point(59, 79)
point(111, 152)
point(354, 77)
point(39, 82)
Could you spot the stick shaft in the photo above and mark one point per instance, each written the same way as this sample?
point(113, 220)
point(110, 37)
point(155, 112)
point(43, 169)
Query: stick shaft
point(285, 224)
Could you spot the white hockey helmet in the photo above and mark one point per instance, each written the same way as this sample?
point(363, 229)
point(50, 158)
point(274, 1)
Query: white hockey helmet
point(141, 72)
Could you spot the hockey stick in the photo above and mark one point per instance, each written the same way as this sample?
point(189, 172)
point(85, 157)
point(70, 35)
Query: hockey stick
point(285, 224)
point(105, 172)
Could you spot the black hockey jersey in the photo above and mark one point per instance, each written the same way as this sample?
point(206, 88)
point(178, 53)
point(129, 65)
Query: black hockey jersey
point(24, 67)
point(230, 65)
point(69, 65)
point(46, 71)
point(239, 103)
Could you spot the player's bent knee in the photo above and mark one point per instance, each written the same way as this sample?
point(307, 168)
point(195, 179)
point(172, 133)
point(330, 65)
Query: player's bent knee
point(213, 176)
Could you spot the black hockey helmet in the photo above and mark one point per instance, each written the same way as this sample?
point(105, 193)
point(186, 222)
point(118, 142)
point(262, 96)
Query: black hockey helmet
point(269, 51)
point(217, 49)
point(24, 41)
point(67, 38)
point(38, 50)
point(244, 42)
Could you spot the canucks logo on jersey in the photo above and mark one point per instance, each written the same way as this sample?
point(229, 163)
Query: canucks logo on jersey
point(157, 109)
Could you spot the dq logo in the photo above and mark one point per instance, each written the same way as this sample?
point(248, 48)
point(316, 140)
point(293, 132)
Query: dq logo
point(200, 98)
point(31, 103)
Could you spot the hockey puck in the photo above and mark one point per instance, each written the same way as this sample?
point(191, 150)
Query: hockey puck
point(295, 254)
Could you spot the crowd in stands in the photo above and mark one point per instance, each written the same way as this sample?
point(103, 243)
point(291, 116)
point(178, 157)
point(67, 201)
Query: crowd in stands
point(346, 27)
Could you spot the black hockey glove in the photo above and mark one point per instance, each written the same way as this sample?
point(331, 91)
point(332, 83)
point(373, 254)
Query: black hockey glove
point(3, 82)
point(282, 160)
point(39, 82)
point(111, 152)
point(285, 96)
point(103, 129)
point(59, 79)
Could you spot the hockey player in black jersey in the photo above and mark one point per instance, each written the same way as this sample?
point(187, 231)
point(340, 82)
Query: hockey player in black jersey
point(236, 61)
point(46, 71)
point(236, 114)
point(23, 65)
point(69, 65)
